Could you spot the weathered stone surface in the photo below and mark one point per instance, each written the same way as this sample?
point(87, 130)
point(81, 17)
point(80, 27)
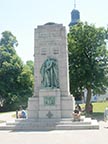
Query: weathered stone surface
point(50, 42)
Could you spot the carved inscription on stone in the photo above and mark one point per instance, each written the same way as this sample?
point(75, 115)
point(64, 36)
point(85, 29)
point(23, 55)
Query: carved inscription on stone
point(49, 100)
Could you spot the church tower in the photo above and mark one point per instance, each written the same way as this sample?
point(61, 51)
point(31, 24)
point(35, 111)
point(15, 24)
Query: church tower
point(75, 15)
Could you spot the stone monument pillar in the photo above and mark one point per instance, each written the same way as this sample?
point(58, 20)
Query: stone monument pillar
point(51, 97)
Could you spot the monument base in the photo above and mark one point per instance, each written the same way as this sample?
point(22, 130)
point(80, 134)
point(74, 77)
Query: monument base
point(33, 108)
point(50, 105)
point(50, 124)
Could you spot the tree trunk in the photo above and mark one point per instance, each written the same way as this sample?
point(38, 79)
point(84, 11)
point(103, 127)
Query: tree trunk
point(88, 99)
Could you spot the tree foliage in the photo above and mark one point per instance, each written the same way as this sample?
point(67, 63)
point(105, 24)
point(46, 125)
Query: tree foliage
point(26, 82)
point(88, 59)
point(12, 70)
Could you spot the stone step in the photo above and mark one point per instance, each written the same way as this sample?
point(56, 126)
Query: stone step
point(58, 127)
point(76, 127)
point(49, 124)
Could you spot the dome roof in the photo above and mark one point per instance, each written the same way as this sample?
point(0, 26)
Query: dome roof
point(75, 14)
point(75, 10)
point(75, 17)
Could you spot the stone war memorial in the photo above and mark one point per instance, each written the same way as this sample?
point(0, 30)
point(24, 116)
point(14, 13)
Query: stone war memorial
point(51, 106)
point(51, 99)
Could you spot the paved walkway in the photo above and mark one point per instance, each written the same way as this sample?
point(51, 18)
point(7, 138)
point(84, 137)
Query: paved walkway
point(7, 116)
point(57, 137)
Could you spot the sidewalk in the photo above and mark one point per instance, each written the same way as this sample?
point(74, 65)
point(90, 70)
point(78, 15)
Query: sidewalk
point(57, 137)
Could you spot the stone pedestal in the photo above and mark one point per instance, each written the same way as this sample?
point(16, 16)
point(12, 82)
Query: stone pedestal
point(50, 104)
point(67, 106)
point(33, 108)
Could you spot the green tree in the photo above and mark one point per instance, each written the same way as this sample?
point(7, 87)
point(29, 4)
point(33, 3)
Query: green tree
point(8, 40)
point(26, 82)
point(10, 68)
point(30, 64)
point(88, 59)
point(16, 78)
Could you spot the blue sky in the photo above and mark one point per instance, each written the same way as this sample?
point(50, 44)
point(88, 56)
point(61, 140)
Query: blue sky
point(22, 16)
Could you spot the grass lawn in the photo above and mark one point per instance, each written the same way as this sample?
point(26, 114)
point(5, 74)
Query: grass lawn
point(98, 110)
point(100, 106)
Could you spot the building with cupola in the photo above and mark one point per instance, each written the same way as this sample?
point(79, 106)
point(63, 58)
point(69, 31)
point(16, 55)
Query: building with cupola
point(75, 16)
